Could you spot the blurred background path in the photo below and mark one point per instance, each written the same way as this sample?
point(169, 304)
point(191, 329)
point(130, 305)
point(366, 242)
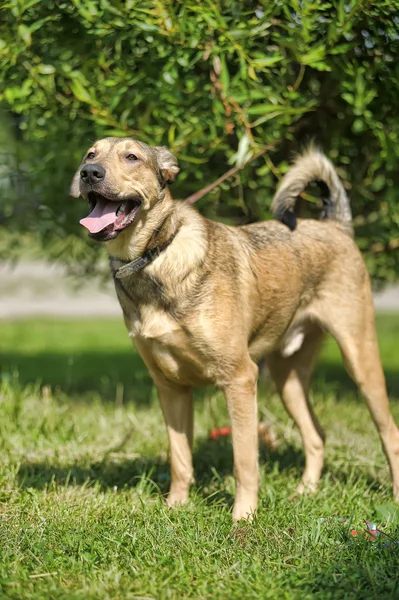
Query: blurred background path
point(43, 289)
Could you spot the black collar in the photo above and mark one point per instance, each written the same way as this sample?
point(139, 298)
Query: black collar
point(142, 261)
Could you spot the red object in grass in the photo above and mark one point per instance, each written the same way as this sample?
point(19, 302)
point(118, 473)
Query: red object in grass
point(370, 533)
point(266, 435)
point(220, 432)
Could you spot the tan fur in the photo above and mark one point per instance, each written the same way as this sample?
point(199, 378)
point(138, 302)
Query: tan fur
point(219, 298)
point(313, 165)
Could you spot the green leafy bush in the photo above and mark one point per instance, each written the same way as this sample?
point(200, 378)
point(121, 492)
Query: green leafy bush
point(215, 81)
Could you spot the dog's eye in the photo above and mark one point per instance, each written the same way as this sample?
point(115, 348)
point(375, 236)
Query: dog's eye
point(91, 155)
point(131, 157)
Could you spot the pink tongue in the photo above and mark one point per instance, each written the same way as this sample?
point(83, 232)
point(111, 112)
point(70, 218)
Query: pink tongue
point(103, 214)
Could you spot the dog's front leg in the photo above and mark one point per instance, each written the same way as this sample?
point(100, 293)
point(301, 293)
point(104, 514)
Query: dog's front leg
point(177, 408)
point(242, 404)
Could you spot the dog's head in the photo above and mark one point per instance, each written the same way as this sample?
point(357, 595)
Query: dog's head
point(121, 177)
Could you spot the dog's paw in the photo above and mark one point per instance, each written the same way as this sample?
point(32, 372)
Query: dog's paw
point(304, 488)
point(243, 512)
point(176, 499)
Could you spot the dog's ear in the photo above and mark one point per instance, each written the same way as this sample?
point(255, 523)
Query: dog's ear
point(74, 190)
point(167, 164)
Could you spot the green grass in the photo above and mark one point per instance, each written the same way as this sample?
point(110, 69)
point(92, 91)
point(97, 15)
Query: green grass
point(84, 468)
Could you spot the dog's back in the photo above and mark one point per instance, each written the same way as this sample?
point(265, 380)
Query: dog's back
point(314, 264)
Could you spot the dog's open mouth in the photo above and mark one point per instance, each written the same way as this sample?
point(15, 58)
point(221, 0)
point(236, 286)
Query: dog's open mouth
point(109, 216)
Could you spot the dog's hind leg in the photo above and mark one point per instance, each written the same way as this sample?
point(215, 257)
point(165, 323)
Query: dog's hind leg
point(240, 392)
point(291, 375)
point(354, 329)
point(177, 408)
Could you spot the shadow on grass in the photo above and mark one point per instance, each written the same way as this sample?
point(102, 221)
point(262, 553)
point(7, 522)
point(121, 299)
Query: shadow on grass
point(109, 474)
point(102, 373)
point(213, 461)
point(85, 373)
point(334, 376)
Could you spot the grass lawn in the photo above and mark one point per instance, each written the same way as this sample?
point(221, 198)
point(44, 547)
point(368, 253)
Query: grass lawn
point(84, 466)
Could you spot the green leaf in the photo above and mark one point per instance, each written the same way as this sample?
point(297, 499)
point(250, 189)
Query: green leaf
point(378, 183)
point(46, 69)
point(261, 109)
point(243, 152)
point(80, 92)
point(224, 75)
point(259, 63)
point(358, 126)
point(313, 56)
point(321, 66)
point(25, 34)
point(349, 98)
point(341, 49)
point(195, 160)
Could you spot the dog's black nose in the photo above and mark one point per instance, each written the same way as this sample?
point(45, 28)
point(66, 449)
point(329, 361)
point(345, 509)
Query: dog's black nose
point(92, 174)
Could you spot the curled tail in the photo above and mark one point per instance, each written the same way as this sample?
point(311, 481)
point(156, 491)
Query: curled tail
point(313, 165)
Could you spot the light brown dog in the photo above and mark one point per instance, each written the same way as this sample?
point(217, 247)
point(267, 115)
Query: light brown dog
point(203, 302)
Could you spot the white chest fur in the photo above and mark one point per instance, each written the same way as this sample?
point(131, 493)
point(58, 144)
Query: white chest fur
point(152, 324)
